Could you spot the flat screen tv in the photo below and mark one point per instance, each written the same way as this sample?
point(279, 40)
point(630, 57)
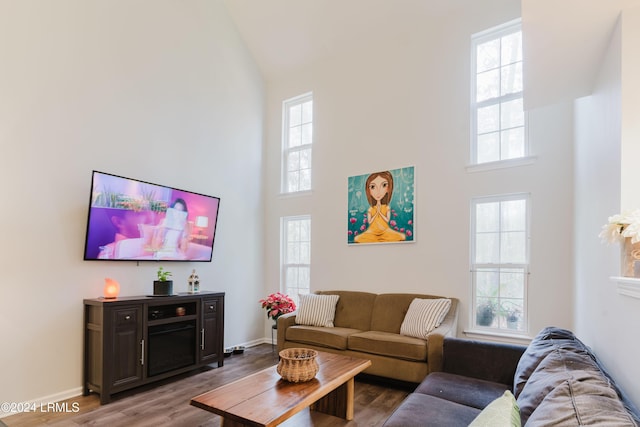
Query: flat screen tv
point(136, 220)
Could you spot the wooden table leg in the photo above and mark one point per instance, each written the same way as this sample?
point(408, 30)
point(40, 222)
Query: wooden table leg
point(350, 394)
point(226, 422)
point(339, 402)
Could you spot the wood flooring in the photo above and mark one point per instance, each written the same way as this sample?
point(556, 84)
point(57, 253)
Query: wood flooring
point(166, 403)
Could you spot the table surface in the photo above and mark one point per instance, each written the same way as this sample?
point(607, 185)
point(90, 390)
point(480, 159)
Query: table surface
point(265, 399)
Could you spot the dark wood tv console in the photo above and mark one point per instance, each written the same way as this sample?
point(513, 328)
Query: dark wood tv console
point(132, 341)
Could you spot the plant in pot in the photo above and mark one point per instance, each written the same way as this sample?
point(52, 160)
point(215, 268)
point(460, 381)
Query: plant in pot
point(163, 286)
point(512, 317)
point(511, 313)
point(485, 313)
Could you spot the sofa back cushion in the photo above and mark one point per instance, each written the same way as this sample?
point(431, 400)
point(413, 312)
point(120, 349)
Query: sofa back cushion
point(353, 310)
point(389, 311)
point(565, 385)
point(576, 402)
point(562, 364)
point(543, 344)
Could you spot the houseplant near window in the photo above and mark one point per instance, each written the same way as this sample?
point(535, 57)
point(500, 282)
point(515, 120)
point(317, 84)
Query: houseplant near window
point(512, 317)
point(163, 286)
point(276, 305)
point(485, 313)
point(625, 229)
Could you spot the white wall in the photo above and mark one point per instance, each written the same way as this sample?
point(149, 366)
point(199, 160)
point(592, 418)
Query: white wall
point(162, 91)
point(402, 101)
point(604, 125)
point(630, 99)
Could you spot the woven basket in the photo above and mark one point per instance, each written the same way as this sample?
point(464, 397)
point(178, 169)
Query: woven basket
point(298, 364)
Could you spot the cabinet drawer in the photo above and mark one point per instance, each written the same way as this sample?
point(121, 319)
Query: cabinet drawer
point(126, 316)
point(210, 306)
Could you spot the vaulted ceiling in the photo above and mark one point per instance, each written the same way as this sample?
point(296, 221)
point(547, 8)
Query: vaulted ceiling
point(564, 40)
point(286, 34)
point(564, 43)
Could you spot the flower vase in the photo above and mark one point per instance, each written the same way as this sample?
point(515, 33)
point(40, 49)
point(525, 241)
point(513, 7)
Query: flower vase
point(630, 258)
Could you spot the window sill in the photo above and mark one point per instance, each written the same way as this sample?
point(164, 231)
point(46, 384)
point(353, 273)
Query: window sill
point(629, 286)
point(305, 193)
point(498, 336)
point(501, 164)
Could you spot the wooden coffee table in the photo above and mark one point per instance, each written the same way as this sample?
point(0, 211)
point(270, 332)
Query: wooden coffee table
point(264, 399)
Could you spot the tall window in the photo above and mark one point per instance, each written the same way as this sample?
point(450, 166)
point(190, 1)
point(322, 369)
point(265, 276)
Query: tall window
point(296, 256)
point(500, 262)
point(297, 137)
point(497, 111)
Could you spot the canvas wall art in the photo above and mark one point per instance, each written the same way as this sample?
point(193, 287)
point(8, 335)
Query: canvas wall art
point(381, 207)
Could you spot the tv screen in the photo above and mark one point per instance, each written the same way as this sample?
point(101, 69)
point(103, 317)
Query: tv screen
point(136, 220)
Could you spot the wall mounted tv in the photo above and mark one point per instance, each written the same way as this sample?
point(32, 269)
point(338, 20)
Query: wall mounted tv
point(137, 220)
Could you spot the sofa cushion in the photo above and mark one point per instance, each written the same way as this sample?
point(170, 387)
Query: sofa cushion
point(546, 340)
point(389, 311)
point(423, 316)
point(320, 336)
point(353, 309)
point(460, 389)
point(563, 363)
point(502, 412)
point(422, 410)
point(578, 403)
point(317, 310)
point(491, 361)
point(388, 344)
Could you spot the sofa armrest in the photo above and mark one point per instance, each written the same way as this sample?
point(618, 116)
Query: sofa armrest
point(285, 321)
point(489, 361)
point(435, 339)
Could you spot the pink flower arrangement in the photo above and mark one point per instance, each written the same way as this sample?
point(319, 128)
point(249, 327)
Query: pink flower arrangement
point(277, 304)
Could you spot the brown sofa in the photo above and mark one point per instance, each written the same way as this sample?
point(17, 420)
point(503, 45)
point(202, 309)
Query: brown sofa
point(556, 381)
point(367, 325)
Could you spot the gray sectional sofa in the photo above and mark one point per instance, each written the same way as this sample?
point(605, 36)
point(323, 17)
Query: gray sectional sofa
point(367, 325)
point(556, 381)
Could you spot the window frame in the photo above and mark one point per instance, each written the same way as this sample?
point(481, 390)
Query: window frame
point(285, 265)
point(287, 150)
point(475, 267)
point(477, 39)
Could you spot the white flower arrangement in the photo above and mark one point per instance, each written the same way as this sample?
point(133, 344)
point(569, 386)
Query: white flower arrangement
point(621, 226)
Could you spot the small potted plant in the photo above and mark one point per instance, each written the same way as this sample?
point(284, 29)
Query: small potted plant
point(276, 305)
point(163, 286)
point(485, 313)
point(513, 317)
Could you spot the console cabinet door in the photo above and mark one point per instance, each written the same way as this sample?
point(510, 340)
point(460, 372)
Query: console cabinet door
point(127, 346)
point(211, 333)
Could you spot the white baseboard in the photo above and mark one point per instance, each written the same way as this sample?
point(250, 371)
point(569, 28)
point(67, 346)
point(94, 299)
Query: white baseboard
point(68, 394)
point(259, 341)
point(44, 402)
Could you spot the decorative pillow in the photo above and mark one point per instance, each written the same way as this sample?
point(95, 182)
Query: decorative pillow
point(423, 316)
point(502, 412)
point(317, 310)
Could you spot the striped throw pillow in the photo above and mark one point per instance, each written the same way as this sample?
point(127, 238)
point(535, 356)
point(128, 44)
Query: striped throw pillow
point(423, 316)
point(317, 310)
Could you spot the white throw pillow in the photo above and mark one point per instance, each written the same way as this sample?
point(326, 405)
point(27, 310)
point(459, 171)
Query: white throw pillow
point(317, 310)
point(423, 316)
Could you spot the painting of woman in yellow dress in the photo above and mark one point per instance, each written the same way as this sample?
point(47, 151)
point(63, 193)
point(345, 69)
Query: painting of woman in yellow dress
point(380, 221)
